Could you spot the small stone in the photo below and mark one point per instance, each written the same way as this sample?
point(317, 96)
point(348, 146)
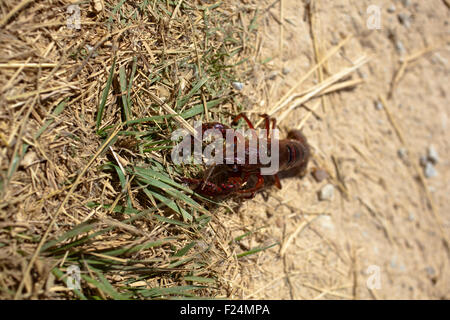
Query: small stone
point(394, 262)
point(272, 75)
point(404, 19)
point(90, 49)
point(201, 245)
point(237, 85)
point(430, 271)
point(432, 156)
point(319, 174)
point(326, 193)
point(400, 47)
point(411, 216)
point(378, 105)
point(406, 3)
point(327, 223)
point(437, 58)
point(402, 153)
point(286, 70)
point(391, 9)
point(29, 158)
point(423, 161)
point(430, 171)
point(98, 5)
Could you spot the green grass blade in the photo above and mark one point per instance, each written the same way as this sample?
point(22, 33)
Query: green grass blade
point(170, 203)
point(166, 184)
point(194, 90)
point(149, 119)
point(149, 173)
point(123, 89)
point(256, 250)
point(170, 221)
point(184, 250)
point(105, 287)
point(199, 108)
point(101, 108)
point(161, 292)
point(59, 108)
point(122, 178)
point(78, 230)
point(109, 289)
point(130, 83)
point(199, 279)
point(137, 248)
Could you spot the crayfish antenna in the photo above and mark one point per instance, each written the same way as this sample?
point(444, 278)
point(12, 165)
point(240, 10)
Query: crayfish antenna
point(208, 175)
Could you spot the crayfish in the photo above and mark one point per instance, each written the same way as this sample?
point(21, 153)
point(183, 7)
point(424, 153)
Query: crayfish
point(232, 178)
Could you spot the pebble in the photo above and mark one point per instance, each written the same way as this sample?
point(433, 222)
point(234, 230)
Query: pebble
point(327, 223)
point(437, 58)
point(319, 174)
point(98, 5)
point(404, 19)
point(286, 70)
point(400, 47)
point(402, 153)
point(357, 215)
point(237, 85)
point(430, 271)
point(423, 161)
point(378, 105)
point(90, 49)
point(432, 156)
point(394, 262)
point(272, 75)
point(406, 3)
point(29, 158)
point(430, 171)
point(391, 9)
point(327, 192)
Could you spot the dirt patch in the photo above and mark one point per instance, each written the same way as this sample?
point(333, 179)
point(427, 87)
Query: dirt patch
point(382, 219)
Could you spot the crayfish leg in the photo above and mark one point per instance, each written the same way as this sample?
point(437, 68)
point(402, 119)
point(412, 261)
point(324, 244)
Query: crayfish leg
point(208, 188)
point(277, 181)
point(268, 119)
point(267, 123)
point(241, 115)
point(259, 185)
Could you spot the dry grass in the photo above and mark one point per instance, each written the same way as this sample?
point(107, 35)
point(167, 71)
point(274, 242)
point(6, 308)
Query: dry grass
point(86, 175)
point(368, 221)
point(85, 128)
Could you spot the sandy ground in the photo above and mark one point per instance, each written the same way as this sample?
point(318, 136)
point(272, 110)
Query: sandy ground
point(384, 233)
point(382, 240)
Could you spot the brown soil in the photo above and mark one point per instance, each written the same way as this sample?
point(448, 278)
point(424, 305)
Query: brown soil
point(390, 216)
